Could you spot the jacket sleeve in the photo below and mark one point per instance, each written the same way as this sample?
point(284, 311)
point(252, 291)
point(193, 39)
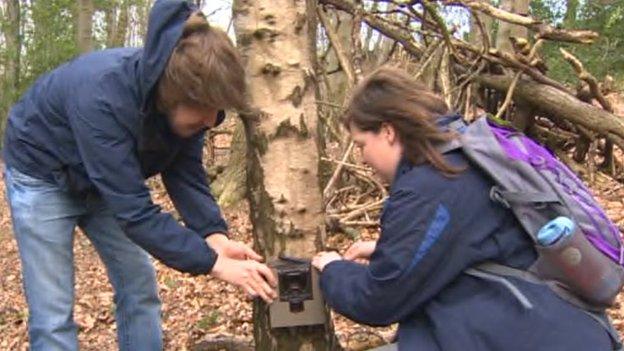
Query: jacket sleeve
point(416, 256)
point(110, 158)
point(187, 185)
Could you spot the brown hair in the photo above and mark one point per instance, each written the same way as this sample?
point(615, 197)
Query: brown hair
point(390, 95)
point(204, 70)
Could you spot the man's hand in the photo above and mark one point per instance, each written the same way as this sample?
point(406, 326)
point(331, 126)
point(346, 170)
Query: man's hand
point(323, 258)
point(255, 278)
point(360, 250)
point(231, 249)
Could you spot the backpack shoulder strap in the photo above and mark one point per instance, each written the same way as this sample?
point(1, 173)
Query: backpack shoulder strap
point(495, 272)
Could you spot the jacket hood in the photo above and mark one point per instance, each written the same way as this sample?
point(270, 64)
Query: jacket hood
point(165, 26)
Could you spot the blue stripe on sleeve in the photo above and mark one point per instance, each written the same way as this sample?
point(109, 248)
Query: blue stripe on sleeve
point(439, 223)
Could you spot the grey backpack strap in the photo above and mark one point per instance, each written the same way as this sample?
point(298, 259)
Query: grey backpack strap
point(604, 321)
point(483, 274)
point(560, 290)
point(449, 146)
point(488, 270)
point(458, 126)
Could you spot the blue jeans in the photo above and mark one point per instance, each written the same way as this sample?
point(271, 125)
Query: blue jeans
point(44, 219)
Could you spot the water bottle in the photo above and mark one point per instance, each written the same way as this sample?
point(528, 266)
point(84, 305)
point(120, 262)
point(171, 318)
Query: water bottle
point(566, 256)
point(555, 230)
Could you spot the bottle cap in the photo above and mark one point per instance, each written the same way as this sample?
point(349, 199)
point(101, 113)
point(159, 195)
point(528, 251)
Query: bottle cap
point(555, 230)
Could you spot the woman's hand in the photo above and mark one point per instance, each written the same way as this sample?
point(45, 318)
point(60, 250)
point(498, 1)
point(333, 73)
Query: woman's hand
point(231, 249)
point(360, 250)
point(323, 258)
point(255, 278)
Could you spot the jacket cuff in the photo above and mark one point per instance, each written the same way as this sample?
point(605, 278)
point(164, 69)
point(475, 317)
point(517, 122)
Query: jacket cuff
point(213, 229)
point(205, 264)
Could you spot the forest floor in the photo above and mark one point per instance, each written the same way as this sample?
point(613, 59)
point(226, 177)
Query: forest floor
point(194, 308)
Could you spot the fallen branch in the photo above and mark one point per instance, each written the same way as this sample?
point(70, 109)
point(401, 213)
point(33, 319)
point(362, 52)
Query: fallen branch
point(588, 78)
point(555, 103)
point(220, 343)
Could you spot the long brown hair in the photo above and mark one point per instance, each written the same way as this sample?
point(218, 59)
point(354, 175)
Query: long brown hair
point(390, 95)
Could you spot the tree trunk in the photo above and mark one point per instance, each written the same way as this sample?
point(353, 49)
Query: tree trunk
point(110, 18)
point(119, 39)
point(521, 116)
point(84, 26)
point(507, 30)
point(343, 23)
point(116, 17)
point(11, 79)
point(570, 16)
point(277, 41)
point(143, 13)
point(230, 186)
point(475, 36)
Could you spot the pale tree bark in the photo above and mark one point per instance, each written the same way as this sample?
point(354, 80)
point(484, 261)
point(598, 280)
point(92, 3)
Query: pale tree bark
point(277, 41)
point(84, 31)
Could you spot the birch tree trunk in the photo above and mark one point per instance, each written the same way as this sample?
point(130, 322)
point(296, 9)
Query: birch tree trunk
point(277, 41)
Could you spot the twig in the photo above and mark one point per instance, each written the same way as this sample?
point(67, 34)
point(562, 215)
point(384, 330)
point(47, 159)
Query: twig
point(441, 25)
point(331, 104)
point(346, 164)
point(328, 191)
point(543, 30)
point(372, 180)
point(375, 205)
point(361, 223)
point(587, 77)
point(405, 39)
point(427, 57)
point(514, 82)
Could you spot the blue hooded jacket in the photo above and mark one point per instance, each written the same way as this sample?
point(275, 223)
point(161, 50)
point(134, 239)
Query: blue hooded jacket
point(433, 228)
point(89, 126)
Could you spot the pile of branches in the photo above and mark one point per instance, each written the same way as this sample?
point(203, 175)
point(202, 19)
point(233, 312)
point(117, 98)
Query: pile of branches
point(578, 123)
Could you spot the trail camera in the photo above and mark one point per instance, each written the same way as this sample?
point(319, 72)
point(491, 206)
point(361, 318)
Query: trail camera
point(299, 299)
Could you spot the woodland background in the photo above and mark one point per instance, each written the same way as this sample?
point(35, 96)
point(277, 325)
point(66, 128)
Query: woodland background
point(552, 68)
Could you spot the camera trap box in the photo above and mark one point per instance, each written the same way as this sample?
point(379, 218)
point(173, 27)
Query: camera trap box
point(299, 300)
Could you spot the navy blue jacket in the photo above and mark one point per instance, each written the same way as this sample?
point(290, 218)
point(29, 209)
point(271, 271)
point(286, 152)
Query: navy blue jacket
point(432, 229)
point(89, 126)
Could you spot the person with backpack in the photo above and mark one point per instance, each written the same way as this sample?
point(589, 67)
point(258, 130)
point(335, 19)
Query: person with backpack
point(78, 148)
point(454, 266)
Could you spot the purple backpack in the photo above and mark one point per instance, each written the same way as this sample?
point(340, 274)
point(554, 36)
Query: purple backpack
point(585, 268)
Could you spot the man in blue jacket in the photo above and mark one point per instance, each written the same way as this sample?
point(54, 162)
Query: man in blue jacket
point(78, 148)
